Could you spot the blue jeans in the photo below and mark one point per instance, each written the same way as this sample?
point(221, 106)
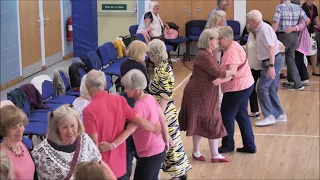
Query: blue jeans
point(235, 107)
point(268, 89)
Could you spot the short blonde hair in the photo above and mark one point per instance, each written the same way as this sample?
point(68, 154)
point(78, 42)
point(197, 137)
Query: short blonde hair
point(62, 113)
point(205, 37)
point(226, 32)
point(5, 166)
point(216, 17)
point(134, 80)
point(10, 117)
point(83, 88)
point(89, 170)
point(137, 50)
point(157, 49)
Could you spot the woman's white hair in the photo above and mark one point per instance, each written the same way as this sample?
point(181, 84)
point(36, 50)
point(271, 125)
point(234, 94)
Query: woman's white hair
point(216, 17)
point(152, 4)
point(96, 79)
point(157, 49)
point(255, 15)
point(83, 88)
point(205, 37)
point(134, 80)
point(56, 117)
point(226, 32)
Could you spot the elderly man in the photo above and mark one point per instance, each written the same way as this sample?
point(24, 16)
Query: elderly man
point(105, 117)
point(287, 15)
point(267, 52)
point(221, 5)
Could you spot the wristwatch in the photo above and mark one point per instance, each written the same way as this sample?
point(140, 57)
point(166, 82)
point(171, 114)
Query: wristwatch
point(271, 65)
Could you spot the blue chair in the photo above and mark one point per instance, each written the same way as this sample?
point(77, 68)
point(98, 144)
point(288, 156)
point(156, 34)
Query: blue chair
point(179, 40)
point(49, 97)
point(36, 128)
point(113, 54)
point(69, 90)
point(193, 30)
point(26, 142)
point(133, 29)
point(97, 63)
point(235, 25)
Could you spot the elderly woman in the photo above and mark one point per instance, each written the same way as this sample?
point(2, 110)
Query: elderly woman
point(200, 113)
point(66, 145)
point(162, 85)
point(83, 100)
point(150, 147)
point(151, 25)
point(217, 19)
point(237, 90)
point(12, 124)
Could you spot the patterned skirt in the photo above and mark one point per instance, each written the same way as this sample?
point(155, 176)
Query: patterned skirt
point(176, 162)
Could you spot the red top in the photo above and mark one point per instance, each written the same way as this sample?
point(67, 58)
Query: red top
point(106, 116)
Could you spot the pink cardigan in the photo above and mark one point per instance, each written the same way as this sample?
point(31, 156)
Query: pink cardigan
point(303, 43)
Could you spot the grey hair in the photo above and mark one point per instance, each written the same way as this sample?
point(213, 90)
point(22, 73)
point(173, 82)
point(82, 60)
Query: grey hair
point(83, 88)
point(297, 2)
point(134, 80)
point(220, 2)
point(216, 17)
point(226, 32)
point(96, 79)
point(255, 15)
point(62, 113)
point(157, 50)
point(152, 4)
point(205, 37)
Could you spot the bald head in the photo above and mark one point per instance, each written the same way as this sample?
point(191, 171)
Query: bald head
point(95, 80)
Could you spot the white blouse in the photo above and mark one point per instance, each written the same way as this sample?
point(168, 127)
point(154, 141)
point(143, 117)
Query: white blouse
point(55, 165)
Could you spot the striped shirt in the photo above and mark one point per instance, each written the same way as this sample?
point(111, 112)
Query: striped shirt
point(288, 14)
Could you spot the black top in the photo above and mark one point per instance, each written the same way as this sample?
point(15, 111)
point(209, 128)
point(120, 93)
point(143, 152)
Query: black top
point(130, 64)
point(312, 10)
point(67, 149)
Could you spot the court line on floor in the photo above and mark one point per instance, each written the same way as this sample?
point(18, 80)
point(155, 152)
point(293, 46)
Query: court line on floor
point(283, 135)
point(184, 80)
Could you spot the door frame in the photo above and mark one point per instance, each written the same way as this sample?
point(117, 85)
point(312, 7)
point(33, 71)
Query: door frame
point(42, 39)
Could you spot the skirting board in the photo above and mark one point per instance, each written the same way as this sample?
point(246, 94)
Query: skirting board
point(68, 56)
point(11, 83)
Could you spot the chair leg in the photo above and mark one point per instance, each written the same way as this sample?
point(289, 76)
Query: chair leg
point(169, 59)
point(178, 56)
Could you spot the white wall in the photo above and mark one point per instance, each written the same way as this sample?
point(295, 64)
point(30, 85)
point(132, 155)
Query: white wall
point(240, 12)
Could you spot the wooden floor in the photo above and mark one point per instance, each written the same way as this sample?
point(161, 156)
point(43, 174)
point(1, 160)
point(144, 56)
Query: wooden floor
point(288, 150)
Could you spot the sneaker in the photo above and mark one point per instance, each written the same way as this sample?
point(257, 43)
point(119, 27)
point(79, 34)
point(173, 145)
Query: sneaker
point(268, 120)
point(306, 83)
point(254, 115)
point(281, 118)
point(296, 88)
point(287, 84)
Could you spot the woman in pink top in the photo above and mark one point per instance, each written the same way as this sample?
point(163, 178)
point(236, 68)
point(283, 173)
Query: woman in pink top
point(12, 124)
point(237, 90)
point(151, 148)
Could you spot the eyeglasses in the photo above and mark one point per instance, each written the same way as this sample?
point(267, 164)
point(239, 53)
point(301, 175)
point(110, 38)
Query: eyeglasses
point(51, 113)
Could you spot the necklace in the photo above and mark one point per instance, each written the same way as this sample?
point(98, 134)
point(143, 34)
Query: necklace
point(14, 152)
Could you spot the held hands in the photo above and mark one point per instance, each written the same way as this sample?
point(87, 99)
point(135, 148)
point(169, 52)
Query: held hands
point(290, 30)
point(271, 73)
point(217, 82)
point(157, 128)
point(105, 146)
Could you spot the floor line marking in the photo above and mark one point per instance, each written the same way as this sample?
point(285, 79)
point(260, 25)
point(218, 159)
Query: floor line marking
point(184, 80)
point(284, 135)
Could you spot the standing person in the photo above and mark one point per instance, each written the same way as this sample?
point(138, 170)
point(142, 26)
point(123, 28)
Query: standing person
point(176, 162)
point(236, 90)
point(200, 112)
point(268, 52)
point(288, 14)
point(221, 5)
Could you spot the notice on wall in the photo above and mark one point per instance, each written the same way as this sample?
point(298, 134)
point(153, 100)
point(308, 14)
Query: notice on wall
point(114, 7)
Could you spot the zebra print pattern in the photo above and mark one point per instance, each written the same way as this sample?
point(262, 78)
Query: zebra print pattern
point(176, 162)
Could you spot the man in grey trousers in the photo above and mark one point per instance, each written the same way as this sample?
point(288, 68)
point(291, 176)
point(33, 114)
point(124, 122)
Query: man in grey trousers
point(288, 14)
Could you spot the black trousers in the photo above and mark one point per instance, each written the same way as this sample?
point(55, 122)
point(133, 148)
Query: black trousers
point(131, 153)
point(148, 167)
point(303, 71)
point(254, 106)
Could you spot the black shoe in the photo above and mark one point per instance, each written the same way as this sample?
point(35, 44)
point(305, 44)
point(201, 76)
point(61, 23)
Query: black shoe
point(225, 150)
point(246, 150)
point(184, 177)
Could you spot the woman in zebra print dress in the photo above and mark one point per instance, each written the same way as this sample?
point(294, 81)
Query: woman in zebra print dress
point(176, 162)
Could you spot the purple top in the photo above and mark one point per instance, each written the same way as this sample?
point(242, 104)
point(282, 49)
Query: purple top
point(266, 37)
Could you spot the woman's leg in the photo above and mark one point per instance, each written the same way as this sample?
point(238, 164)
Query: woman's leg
point(254, 106)
point(196, 146)
point(214, 145)
point(303, 72)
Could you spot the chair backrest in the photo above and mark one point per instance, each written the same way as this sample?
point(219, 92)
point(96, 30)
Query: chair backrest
point(112, 51)
point(190, 27)
point(82, 72)
point(47, 90)
point(235, 25)
point(133, 29)
point(104, 55)
point(140, 37)
point(65, 80)
point(94, 60)
point(38, 80)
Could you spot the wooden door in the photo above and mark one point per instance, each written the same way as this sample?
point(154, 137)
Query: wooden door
point(30, 37)
point(202, 8)
point(52, 31)
point(175, 11)
point(266, 7)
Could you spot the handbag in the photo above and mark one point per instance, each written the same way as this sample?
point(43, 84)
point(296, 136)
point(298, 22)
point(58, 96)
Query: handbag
point(74, 161)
